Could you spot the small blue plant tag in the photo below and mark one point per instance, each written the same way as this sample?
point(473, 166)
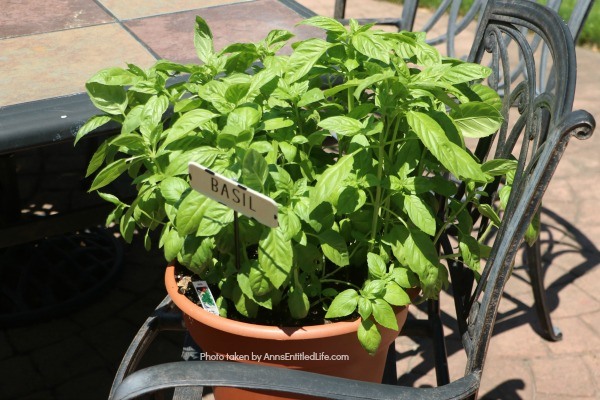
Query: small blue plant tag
point(206, 298)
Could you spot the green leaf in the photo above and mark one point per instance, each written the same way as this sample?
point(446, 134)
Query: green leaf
point(487, 211)
point(255, 170)
point(304, 57)
point(196, 253)
point(365, 308)
point(289, 222)
point(127, 224)
point(367, 82)
point(110, 198)
point(320, 219)
point(172, 189)
point(343, 304)
point(533, 230)
point(203, 155)
point(152, 113)
point(372, 45)
point(298, 303)
point(376, 265)
point(330, 180)
point(326, 23)
point(130, 143)
point(350, 200)
point(466, 72)
point(97, 159)
point(369, 336)
point(477, 120)
point(341, 125)
point(111, 172)
point(384, 314)
point(276, 123)
point(203, 40)
point(312, 96)
point(422, 258)
point(404, 277)
point(276, 256)
point(278, 36)
point(186, 123)
point(374, 289)
point(395, 295)
point(93, 123)
point(110, 99)
point(469, 251)
point(456, 160)
point(259, 283)
point(334, 247)
point(255, 285)
point(488, 96)
point(420, 213)
point(133, 119)
point(201, 216)
point(173, 243)
point(190, 212)
point(236, 92)
point(498, 166)
point(243, 304)
point(115, 76)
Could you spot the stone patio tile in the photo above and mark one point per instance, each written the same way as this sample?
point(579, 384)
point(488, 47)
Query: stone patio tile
point(44, 394)
point(13, 370)
point(592, 361)
point(507, 379)
point(104, 308)
point(588, 282)
point(42, 334)
point(83, 386)
point(593, 321)
point(62, 362)
point(110, 338)
point(573, 301)
point(27, 17)
point(172, 36)
point(59, 63)
point(515, 340)
point(6, 350)
point(562, 376)
point(143, 8)
point(578, 337)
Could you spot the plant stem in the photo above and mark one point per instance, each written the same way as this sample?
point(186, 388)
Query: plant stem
point(340, 282)
point(452, 217)
point(377, 203)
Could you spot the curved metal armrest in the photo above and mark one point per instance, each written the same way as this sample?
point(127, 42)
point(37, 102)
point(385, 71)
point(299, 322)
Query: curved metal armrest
point(261, 377)
point(166, 317)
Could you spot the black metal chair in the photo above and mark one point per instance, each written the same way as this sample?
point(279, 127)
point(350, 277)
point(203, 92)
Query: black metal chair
point(448, 19)
point(539, 124)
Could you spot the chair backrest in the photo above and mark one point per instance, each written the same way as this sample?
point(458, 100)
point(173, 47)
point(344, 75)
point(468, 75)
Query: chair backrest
point(539, 122)
point(451, 18)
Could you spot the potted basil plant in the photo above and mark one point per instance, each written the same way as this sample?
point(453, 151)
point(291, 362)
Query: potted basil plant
point(358, 138)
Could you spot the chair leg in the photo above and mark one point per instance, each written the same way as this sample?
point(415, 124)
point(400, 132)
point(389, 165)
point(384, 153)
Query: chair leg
point(339, 10)
point(390, 373)
point(536, 275)
point(439, 343)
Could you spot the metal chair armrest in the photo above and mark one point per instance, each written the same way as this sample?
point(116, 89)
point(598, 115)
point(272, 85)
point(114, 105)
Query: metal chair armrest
point(261, 377)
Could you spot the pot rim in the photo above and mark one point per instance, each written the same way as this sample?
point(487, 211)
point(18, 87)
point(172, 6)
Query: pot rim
point(253, 330)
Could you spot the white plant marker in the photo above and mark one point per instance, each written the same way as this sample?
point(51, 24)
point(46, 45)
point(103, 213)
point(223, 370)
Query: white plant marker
point(234, 195)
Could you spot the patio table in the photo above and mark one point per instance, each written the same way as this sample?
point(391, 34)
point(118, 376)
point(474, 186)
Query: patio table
point(48, 51)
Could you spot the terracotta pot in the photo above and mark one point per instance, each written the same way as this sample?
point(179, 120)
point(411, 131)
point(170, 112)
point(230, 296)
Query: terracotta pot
point(331, 349)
